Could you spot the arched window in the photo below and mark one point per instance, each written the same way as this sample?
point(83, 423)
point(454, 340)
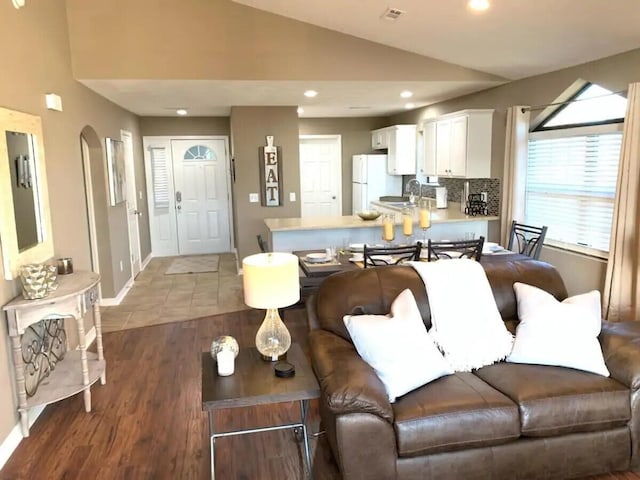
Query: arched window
point(572, 170)
point(199, 152)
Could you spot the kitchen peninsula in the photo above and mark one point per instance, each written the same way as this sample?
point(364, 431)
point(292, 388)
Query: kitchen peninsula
point(289, 234)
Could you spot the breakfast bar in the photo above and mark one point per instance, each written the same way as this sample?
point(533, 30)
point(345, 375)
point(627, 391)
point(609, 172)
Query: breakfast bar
point(289, 234)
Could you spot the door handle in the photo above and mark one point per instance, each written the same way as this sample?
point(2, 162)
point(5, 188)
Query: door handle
point(178, 196)
point(178, 207)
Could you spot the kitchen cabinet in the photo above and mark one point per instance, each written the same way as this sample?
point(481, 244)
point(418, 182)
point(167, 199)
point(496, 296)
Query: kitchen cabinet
point(400, 143)
point(458, 144)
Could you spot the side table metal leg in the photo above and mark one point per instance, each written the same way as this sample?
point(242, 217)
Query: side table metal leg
point(212, 441)
point(304, 408)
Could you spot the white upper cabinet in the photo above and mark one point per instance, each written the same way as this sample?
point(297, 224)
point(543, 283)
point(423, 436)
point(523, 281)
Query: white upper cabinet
point(400, 143)
point(458, 144)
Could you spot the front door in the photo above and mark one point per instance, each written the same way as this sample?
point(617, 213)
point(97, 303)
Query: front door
point(201, 197)
point(320, 175)
point(188, 195)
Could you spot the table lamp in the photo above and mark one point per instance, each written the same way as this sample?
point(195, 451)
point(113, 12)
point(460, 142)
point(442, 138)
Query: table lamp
point(271, 281)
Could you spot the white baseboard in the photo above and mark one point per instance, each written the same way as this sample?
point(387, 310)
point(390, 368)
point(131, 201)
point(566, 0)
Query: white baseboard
point(112, 302)
point(146, 261)
point(8, 446)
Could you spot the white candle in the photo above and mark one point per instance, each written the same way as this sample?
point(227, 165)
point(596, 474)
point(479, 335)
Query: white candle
point(226, 360)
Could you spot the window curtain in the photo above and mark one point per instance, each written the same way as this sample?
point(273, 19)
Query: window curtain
point(621, 300)
point(515, 168)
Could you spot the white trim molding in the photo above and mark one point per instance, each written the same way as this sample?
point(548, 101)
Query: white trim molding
point(117, 300)
point(146, 261)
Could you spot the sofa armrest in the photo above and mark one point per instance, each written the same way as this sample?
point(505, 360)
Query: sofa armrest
point(347, 382)
point(621, 349)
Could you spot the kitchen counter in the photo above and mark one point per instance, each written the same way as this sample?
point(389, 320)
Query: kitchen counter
point(289, 234)
point(447, 215)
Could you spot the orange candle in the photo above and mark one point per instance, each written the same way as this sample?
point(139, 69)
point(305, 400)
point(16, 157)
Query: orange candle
point(425, 218)
point(388, 231)
point(407, 225)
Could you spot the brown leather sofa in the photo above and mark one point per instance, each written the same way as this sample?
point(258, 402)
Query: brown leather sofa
point(504, 421)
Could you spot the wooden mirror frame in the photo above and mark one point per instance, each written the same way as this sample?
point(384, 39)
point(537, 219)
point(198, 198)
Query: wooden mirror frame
point(12, 257)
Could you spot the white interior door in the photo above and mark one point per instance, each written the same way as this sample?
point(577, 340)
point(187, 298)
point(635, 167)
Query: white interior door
point(132, 202)
point(201, 196)
point(320, 175)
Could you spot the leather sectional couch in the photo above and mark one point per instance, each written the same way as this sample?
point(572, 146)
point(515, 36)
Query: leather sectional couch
point(504, 421)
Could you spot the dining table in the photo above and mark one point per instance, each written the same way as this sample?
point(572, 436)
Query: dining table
point(341, 262)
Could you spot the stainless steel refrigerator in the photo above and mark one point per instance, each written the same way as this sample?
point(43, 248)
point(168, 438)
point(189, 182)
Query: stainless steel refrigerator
point(371, 181)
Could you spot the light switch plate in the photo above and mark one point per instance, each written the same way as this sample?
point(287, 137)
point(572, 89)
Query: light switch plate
point(254, 198)
point(292, 196)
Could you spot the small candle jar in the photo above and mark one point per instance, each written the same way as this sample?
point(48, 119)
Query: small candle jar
point(388, 227)
point(226, 362)
point(407, 223)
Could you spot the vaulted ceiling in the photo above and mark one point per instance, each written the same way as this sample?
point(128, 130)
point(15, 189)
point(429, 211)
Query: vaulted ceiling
point(208, 55)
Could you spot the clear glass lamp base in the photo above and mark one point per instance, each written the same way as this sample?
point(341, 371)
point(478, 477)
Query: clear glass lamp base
point(273, 339)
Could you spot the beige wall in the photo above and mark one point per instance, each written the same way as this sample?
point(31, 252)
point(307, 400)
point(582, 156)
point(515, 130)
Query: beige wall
point(167, 126)
point(249, 127)
point(230, 41)
point(356, 138)
point(614, 73)
point(34, 47)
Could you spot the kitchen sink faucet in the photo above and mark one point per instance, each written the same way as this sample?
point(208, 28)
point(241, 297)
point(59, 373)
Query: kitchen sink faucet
point(412, 196)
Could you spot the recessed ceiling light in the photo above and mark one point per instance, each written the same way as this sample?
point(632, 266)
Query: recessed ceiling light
point(18, 3)
point(310, 93)
point(300, 110)
point(409, 105)
point(181, 111)
point(478, 5)
point(406, 94)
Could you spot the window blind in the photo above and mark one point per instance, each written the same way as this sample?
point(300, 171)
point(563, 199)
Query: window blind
point(571, 185)
point(160, 176)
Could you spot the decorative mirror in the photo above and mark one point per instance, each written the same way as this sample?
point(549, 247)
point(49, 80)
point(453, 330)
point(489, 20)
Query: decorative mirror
point(25, 221)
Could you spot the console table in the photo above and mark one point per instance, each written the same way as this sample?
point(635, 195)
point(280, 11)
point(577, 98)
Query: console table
point(43, 352)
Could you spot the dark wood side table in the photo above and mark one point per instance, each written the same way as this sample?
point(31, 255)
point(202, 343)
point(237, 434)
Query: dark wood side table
point(254, 383)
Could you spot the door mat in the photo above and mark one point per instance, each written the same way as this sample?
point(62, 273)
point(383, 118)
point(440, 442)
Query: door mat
point(194, 264)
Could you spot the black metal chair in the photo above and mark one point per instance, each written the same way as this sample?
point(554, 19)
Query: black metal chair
point(526, 239)
point(262, 243)
point(457, 249)
point(396, 255)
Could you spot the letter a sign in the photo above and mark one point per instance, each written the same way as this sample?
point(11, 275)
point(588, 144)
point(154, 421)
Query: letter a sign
point(270, 174)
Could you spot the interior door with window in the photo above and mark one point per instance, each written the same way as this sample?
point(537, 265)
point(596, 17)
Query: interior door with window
point(201, 196)
point(320, 176)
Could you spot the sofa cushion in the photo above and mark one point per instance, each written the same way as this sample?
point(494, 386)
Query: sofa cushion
point(558, 400)
point(453, 413)
point(398, 347)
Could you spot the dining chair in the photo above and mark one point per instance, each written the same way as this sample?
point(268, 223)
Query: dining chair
point(455, 249)
point(262, 243)
point(526, 239)
point(379, 256)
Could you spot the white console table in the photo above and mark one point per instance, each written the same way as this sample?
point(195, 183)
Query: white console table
point(78, 369)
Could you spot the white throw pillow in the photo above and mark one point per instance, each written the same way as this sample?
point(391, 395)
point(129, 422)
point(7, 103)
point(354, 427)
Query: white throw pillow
point(398, 346)
point(557, 333)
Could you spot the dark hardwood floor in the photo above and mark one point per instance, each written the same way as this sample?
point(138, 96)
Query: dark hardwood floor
point(147, 421)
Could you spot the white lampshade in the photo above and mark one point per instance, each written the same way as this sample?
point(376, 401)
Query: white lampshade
point(271, 280)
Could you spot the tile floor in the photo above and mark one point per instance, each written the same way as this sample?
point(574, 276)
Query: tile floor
point(156, 298)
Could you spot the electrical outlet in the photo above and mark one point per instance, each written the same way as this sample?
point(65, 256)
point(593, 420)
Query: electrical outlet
point(254, 198)
point(292, 196)
point(121, 266)
point(140, 194)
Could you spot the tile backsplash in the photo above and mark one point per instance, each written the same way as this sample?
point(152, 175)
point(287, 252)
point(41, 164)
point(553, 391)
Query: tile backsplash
point(455, 186)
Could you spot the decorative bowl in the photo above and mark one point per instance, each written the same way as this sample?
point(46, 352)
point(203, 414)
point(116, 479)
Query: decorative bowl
point(369, 214)
point(225, 342)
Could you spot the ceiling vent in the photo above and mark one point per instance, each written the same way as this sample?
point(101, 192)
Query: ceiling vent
point(392, 14)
